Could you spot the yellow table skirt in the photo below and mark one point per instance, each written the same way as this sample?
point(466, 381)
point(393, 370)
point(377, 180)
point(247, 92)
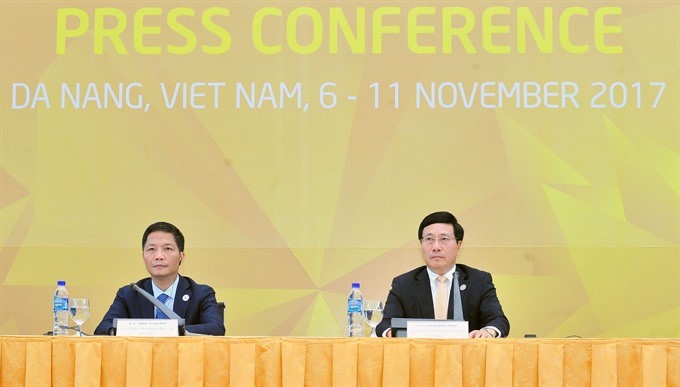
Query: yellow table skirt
point(309, 361)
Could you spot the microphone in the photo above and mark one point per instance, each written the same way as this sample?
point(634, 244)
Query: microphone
point(168, 312)
point(73, 328)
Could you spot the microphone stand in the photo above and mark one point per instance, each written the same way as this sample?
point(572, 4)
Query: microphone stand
point(168, 312)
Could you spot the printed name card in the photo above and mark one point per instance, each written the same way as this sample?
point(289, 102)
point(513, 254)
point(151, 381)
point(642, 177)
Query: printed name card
point(437, 329)
point(147, 327)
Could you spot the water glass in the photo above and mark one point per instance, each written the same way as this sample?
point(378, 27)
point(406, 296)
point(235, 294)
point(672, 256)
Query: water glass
point(373, 314)
point(80, 312)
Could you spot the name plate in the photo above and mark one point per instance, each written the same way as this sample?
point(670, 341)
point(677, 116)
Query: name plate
point(437, 329)
point(147, 327)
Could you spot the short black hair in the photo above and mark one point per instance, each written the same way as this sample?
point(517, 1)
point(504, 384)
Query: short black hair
point(165, 227)
point(442, 217)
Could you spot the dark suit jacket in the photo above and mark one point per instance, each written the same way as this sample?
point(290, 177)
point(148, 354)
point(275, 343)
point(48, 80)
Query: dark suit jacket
point(411, 297)
point(200, 311)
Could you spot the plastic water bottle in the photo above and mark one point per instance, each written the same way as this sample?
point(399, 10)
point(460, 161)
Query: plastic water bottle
point(60, 311)
point(355, 308)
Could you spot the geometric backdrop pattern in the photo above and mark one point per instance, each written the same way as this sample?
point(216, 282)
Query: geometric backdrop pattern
point(575, 210)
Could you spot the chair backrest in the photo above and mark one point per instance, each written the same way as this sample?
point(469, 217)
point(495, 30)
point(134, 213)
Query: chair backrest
point(222, 307)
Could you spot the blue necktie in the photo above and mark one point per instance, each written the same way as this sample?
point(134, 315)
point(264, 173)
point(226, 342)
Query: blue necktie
point(162, 298)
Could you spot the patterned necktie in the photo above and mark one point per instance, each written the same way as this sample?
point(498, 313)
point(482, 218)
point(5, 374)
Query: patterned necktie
point(441, 304)
point(162, 298)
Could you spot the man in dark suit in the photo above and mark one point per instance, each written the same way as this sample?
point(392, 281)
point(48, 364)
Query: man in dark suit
point(163, 253)
point(419, 294)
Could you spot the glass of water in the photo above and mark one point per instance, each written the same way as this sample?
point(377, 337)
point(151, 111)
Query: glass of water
point(373, 314)
point(80, 312)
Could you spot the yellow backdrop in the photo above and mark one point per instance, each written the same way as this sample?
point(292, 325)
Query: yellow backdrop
point(298, 145)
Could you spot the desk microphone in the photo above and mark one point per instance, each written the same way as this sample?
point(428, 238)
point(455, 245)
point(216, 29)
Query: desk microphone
point(168, 312)
point(73, 328)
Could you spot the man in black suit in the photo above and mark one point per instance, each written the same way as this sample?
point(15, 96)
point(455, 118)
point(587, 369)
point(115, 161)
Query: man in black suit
point(415, 294)
point(163, 253)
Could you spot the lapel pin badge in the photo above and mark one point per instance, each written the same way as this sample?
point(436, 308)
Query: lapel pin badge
point(185, 297)
point(463, 287)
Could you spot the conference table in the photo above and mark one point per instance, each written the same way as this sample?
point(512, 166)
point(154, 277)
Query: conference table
point(323, 361)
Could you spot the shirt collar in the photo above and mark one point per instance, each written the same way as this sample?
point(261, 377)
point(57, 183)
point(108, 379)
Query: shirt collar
point(170, 291)
point(449, 274)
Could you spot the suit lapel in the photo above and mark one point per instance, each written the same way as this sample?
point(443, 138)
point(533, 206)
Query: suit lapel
point(424, 294)
point(182, 297)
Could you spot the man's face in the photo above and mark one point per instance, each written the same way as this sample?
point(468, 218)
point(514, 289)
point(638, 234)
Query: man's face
point(439, 256)
point(161, 255)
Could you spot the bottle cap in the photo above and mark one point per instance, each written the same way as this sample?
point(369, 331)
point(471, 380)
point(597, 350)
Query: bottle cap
point(61, 283)
point(355, 285)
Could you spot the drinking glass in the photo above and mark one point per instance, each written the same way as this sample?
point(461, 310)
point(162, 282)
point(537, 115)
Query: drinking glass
point(80, 312)
point(373, 314)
